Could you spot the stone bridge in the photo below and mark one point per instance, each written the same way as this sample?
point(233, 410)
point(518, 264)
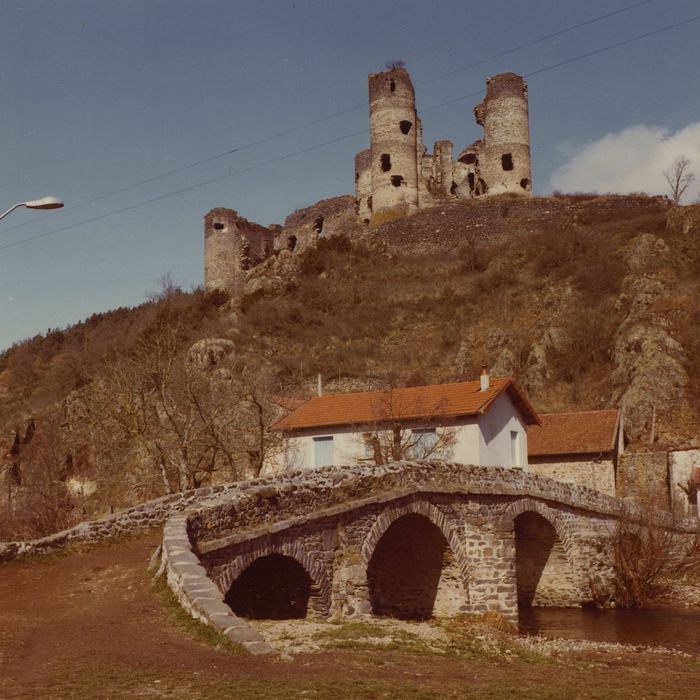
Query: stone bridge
point(407, 540)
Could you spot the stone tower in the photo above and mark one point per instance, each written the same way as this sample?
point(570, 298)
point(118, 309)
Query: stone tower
point(394, 134)
point(232, 245)
point(504, 162)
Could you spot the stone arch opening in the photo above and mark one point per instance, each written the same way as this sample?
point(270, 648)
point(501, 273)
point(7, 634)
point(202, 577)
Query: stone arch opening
point(412, 573)
point(273, 587)
point(544, 575)
point(405, 126)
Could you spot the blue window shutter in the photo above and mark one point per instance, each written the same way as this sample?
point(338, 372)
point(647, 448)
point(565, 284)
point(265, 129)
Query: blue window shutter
point(323, 451)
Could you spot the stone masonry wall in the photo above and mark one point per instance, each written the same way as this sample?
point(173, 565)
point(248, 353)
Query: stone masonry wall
point(597, 474)
point(497, 218)
point(333, 522)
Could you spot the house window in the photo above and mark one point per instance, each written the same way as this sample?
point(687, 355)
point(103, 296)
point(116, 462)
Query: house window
point(424, 442)
point(515, 448)
point(323, 451)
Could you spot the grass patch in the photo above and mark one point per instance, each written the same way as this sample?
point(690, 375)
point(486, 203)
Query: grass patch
point(195, 628)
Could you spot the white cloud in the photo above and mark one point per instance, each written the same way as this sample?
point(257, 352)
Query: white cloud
point(632, 160)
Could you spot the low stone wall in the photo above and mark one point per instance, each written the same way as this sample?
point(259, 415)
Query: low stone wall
point(141, 517)
point(197, 593)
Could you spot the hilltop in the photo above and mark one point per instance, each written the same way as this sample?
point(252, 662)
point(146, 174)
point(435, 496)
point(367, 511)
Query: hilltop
point(589, 302)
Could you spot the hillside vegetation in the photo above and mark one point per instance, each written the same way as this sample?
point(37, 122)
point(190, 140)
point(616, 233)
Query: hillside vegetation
point(598, 314)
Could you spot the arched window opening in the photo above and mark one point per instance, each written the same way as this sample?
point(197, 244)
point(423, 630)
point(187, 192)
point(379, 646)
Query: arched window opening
point(405, 126)
point(385, 161)
point(291, 243)
point(507, 161)
point(274, 587)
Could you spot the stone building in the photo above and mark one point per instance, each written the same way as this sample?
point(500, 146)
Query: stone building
point(397, 175)
point(580, 448)
point(232, 245)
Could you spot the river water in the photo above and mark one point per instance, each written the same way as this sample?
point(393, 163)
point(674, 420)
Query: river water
point(676, 629)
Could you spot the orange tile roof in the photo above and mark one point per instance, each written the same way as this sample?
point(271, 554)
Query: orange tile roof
point(584, 432)
point(419, 402)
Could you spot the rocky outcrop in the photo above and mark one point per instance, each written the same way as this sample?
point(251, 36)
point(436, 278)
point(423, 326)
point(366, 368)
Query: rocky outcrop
point(649, 362)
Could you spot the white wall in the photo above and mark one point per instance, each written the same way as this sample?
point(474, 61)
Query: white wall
point(481, 441)
point(494, 435)
point(680, 465)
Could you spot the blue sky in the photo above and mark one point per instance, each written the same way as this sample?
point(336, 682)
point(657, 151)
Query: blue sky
point(100, 95)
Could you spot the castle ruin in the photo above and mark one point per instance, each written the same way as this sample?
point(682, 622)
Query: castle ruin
point(394, 177)
point(397, 174)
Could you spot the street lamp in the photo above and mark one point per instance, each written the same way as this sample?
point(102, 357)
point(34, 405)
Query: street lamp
point(45, 203)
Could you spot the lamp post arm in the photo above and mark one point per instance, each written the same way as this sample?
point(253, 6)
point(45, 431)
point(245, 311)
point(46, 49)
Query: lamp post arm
point(11, 209)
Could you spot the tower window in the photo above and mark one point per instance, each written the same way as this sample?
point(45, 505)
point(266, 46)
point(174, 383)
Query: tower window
point(507, 161)
point(525, 183)
point(218, 227)
point(397, 180)
point(291, 242)
point(469, 158)
point(386, 162)
point(405, 126)
point(392, 85)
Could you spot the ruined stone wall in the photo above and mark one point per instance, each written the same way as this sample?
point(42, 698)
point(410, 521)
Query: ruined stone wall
point(394, 142)
point(363, 186)
point(330, 217)
point(504, 153)
point(232, 245)
point(448, 226)
point(598, 474)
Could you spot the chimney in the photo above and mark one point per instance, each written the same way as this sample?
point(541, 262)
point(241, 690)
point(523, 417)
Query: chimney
point(484, 378)
point(320, 385)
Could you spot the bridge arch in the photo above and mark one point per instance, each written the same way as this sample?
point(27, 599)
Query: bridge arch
point(547, 568)
point(424, 578)
point(289, 560)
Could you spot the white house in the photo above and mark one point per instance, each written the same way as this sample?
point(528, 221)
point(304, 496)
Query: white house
point(479, 422)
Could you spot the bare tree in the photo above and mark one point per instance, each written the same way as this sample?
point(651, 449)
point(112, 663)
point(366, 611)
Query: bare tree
point(679, 178)
point(396, 434)
point(173, 424)
point(646, 551)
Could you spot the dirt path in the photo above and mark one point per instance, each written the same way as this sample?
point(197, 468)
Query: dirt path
point(89, 625)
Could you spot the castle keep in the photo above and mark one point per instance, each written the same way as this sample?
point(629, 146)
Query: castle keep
point(394, 177)
point(397, 173)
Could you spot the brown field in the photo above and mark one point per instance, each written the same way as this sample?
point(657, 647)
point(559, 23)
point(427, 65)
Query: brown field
point(90, 624)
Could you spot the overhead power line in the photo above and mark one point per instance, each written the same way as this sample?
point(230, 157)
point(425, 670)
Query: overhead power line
point(314, 122)
point(539, 71)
